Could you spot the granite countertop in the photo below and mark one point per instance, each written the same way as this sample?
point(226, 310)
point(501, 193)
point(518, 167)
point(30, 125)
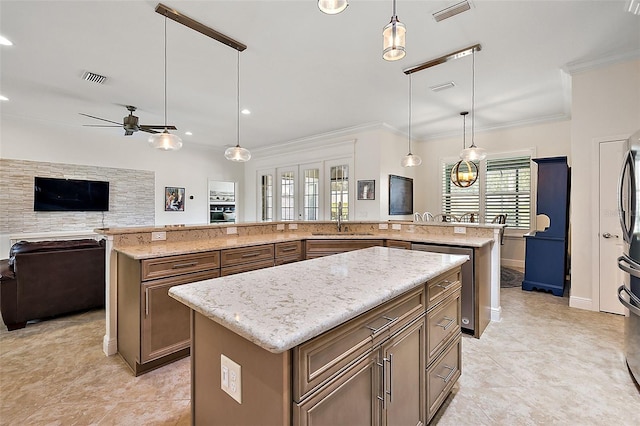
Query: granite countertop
point(281, 307)
point(160, 249)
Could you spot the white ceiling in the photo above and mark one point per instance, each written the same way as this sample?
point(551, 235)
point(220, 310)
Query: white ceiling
point(304, 72)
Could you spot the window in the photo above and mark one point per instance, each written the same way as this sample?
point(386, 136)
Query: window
point(311, 195)
point(503, 187)
point(339, 191)
point(287, 196)
point(266, 190)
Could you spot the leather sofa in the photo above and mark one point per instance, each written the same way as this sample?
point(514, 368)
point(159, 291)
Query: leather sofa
point(49, 278)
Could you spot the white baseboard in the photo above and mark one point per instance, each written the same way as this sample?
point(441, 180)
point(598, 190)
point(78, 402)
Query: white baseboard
point(496, 314)
point(512, 263)
point(109, 346)
point(581, 303)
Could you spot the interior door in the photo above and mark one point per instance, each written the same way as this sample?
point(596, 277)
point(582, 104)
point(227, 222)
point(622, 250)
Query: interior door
point(611, 242)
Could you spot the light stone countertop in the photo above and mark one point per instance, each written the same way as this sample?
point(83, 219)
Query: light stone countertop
point(160, 249)
point(281, 307)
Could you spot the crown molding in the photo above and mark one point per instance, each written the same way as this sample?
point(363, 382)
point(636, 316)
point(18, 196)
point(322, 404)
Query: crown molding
point(581, 66)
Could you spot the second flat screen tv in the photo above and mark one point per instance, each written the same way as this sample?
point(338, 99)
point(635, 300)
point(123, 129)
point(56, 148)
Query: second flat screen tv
point(53, 194)
point(400, 195)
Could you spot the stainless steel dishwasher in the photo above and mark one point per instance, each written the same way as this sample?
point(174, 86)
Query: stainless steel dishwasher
point(468, 281)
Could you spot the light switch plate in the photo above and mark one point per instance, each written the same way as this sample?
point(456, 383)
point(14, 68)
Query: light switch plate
point(231, 378)
point(232, 230)
point(459, 230)
point(383, 226)
point(396, 226)
point(158, 236)
point(293, 226)
point(280, 227)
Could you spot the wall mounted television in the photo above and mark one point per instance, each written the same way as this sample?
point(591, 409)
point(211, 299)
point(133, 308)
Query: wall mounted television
point(53, 194)
point(400, 195)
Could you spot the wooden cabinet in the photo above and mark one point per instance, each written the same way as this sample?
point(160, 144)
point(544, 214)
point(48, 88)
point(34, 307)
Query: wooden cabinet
point(153, 328)
point(243, 259)
point(398, 244)
point(287, 252)
point(320, 248)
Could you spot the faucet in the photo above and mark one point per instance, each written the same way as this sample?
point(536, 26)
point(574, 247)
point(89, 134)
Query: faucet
point(339, 216)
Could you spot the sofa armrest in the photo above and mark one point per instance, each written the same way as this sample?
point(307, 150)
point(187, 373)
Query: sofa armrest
point(6, 271)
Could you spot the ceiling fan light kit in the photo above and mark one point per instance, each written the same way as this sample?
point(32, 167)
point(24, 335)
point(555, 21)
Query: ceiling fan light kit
point(332, 7)
point(393, 38)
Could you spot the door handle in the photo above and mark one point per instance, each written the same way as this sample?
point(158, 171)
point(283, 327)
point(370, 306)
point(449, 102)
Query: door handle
point(608, 235)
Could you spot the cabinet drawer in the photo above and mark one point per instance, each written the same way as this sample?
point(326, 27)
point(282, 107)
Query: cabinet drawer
point(289, 249)
point(442, 286)
point(319, 248)
point(320, 358)
point(244, 267)
point(237, 256)
point(398, 244)
point(162, 267)
point(443, 323)
point(442, 375)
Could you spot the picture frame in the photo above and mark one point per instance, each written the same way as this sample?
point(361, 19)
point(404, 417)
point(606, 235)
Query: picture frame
point(366, 190)
point(173, 199)
point(400, 195)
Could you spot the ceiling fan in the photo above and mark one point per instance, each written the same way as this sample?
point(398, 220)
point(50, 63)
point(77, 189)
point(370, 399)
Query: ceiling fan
point(129, 123)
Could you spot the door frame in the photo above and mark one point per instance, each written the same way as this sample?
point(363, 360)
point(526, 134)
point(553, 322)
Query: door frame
point(595, 223)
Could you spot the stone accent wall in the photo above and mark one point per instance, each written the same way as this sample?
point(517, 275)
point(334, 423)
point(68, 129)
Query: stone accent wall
point(131, 198)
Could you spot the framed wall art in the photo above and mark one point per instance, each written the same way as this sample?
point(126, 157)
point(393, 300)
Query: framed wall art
point(366, 190)
point(173, 199)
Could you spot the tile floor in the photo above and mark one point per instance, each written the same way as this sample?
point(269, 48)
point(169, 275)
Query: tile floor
point(544, 364)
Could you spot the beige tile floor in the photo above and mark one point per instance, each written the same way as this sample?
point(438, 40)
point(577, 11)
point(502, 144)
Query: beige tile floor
point(545, 363)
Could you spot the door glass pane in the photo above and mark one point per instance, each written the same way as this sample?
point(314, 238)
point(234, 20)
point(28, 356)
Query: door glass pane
point(266, 189)
point(311, 194)
point(339, 191)
point(287, 197)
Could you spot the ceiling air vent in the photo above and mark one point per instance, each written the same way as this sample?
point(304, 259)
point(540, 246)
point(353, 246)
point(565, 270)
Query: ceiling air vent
point(443, 86)
point(93, 77)
point(450, 11)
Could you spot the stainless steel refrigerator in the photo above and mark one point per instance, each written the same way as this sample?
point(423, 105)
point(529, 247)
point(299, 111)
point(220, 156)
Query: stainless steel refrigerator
point(629, 212)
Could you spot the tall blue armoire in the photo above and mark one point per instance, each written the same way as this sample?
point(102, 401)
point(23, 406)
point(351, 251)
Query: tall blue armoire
point(546, 251)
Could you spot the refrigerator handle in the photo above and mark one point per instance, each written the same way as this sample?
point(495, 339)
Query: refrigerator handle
point(632, 297)
point(627, 228)
point(633, 268)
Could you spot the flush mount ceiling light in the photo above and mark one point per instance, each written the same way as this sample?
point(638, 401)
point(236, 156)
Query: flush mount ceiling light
point(237, 153)
point(473, 153)
point(464, 173)
point(165, 140)
point(393, 37)
point(410, 160)
point(332, 7)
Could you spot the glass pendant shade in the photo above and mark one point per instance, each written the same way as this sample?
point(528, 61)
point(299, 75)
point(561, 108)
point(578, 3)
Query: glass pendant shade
point(165, 141)
point(464, 174)
point(237, 153)
point(411, 160)
point(393, 36)
point(473, 153)
point(332, 7)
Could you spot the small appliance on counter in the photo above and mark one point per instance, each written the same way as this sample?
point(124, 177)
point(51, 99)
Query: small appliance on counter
point(629, 292)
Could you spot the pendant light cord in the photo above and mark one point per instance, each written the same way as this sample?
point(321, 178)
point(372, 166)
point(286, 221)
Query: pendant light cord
point(238, 100)
point(165, 72)
point(409, 113)
point(464, 131)
point(473, 97)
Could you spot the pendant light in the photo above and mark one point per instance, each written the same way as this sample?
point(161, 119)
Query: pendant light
point(332, 7)
point(393, 36)
point(464, 173)
point(165, 140)
point(473, 153)
point(237, 153)
point(410, 160)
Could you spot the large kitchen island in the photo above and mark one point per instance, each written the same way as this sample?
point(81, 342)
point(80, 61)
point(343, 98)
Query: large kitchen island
point(365, 337)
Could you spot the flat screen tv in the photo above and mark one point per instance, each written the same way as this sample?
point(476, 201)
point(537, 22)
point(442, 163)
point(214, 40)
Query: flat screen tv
point(52, 194)
point(400, 195)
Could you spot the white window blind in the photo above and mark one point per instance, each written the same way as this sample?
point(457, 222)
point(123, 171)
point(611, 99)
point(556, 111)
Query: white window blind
point(455, 200)
point(508, 190)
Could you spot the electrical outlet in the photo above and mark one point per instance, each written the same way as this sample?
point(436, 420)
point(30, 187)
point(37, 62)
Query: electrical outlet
point(459, 230)
point(293, 226)
point(158, 236)
point(280, 227)
point(232, 230)
point(231, 378)
point(383, 226)
point(396, 226)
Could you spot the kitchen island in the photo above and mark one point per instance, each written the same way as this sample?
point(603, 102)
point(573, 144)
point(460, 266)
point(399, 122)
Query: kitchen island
point(364, 337)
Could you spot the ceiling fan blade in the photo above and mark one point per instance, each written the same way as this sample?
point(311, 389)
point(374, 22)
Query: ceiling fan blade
point(146, 126)
point(99, 125)
point(145, 129)
point(98, 118)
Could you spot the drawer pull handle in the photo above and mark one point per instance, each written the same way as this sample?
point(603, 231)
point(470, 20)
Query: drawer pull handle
point(244, 256)
point(382, 327)
point(447, 284)
point(184, 265)
point(284, 250)
point(444, 327)
point(451, 372)
point(146, 302)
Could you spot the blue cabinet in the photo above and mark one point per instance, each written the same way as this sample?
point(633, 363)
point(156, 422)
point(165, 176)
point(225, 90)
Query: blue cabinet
point(546, 251)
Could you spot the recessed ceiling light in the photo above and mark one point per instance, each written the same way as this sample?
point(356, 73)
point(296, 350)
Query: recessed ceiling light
point(245, 111)
point(5, 41)
point(3, 98)
point(188, 133)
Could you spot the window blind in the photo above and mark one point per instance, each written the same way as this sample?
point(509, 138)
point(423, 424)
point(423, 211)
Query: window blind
point(455, 200)
point(507, 186)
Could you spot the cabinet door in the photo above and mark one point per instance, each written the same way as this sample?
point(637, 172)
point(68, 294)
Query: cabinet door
point(348, 400)
point(403, 376)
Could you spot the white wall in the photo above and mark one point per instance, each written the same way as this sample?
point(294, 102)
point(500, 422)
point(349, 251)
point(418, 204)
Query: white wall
point(605, 104)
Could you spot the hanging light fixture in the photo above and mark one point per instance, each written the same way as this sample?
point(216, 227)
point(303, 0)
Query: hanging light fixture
point(464, 173)
point(237, 153)
point(393, 36)
point(165, 140)
point(332, 7)
point(410, 160)
point(473, 153)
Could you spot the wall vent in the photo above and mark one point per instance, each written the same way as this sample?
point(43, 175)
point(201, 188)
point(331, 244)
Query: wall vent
point(443, 86)
point(93, 77)
point(450, 11)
